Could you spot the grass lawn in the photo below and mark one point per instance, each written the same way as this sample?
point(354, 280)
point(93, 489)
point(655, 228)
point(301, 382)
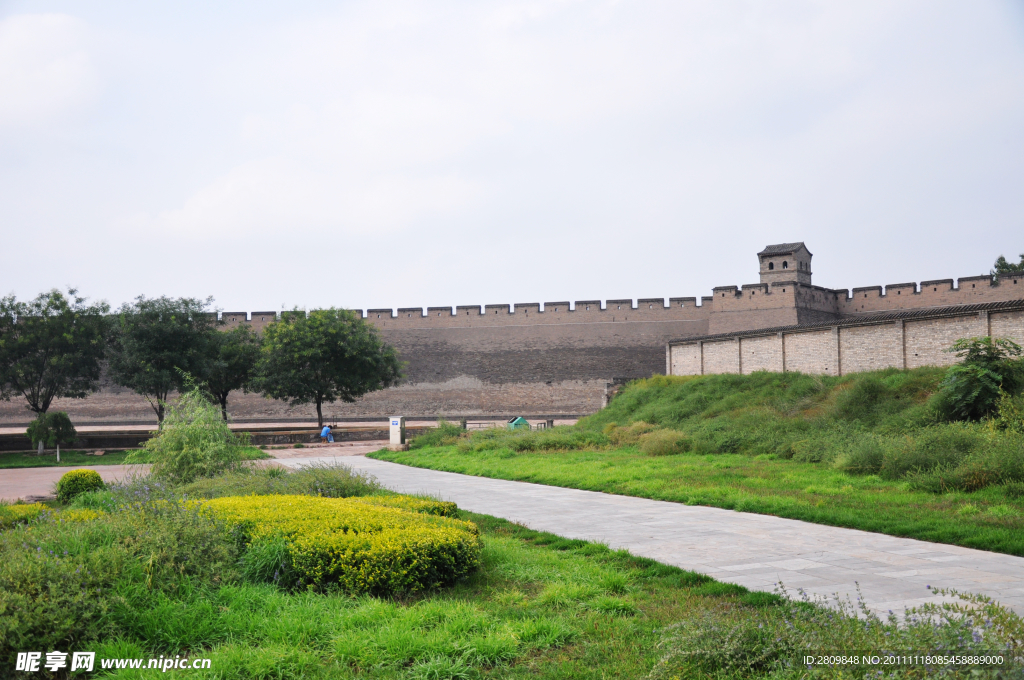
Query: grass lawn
point(67, 458)
point(79, 458)
point(539, 607)
point(987, 519)
point(129, 573)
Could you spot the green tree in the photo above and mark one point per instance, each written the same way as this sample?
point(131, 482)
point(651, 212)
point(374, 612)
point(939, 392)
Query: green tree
point(194, 441)
point(329, 355)
point(1003, 267)
point(988, 368)
point(154, 342)
point(234, 363)
point(51, 429)
point(51, 347)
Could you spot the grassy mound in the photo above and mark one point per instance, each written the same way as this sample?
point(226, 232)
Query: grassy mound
point(886, 423)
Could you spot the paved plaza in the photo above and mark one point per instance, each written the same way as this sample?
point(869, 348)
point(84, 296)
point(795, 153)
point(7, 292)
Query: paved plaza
point(756, 551)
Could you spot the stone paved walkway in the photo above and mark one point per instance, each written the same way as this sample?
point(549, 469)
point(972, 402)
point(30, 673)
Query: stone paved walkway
point(33, 483)
point(756, 551)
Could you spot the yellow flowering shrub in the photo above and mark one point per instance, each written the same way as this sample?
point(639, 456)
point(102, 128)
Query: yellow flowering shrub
point(11, 515)
point(364, 547)
point(427, 507)
point(76, 482)
point(79, 515)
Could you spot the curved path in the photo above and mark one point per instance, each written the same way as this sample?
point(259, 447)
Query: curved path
point(756, 551)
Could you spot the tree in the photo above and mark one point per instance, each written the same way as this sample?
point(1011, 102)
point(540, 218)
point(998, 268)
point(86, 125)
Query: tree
point(194, 441)
point(329, 355)
point(52, 429)
point(988, 368)
point(155, 342)
point(234, 363)
point(1003, 267)
point(51, 347)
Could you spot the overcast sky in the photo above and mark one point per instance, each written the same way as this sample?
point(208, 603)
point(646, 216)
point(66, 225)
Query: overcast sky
point(393, 154)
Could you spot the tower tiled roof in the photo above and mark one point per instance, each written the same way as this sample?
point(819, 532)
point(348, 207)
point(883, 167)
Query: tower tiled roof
point(784, 249)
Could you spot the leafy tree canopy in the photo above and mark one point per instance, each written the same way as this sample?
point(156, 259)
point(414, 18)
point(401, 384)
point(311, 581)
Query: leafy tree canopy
point(156, 341)
point(1003, 267)
point(330, 354)
point(51, 429)
point(234, 363)
point(988, 368)
point(194, 441)
point(51, 347)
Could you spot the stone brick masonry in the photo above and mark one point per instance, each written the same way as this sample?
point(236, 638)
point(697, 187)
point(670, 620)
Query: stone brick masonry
point(559, 358)
point(864, 343)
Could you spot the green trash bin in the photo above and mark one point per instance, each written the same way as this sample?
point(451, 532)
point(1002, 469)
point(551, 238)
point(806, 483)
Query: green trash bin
point(518, 423)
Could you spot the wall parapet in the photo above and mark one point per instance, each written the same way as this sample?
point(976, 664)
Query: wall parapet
point(905, 339)
point(866, 320)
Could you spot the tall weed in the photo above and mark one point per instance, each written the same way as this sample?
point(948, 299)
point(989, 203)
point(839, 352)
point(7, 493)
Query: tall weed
point(194, 441)
point(331, 480)
point(445, 434)
point(746, 642)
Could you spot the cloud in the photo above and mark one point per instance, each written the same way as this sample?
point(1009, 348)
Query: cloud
point(280, 197)
point(626, 148)
point(45, 68)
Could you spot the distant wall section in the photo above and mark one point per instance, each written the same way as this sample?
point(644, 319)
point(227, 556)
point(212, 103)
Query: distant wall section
point(904, 340)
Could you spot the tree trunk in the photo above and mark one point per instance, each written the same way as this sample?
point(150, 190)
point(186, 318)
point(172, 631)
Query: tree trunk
point(319, 413)
point(223, 406)
point(39, 449)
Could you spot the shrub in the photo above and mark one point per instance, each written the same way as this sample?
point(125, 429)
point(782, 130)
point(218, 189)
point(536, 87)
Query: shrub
point(747, 642)
point(51, 429)
point(863, 400)
point(988, 367)
point(359, 547)
point(665, 443)
point(79, 576)
point(329, 480)
point(997, 460)
point(556, 439)
point(939, 446)
point(76, 482)
point(19, 513)
point(193, 442)
point(630, 434)
point(445, 434)
point(1010, 413)
point(425, 506)
point(864, 457)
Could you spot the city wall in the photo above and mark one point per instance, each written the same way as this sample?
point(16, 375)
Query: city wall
point(867, 342)
point(560, 358)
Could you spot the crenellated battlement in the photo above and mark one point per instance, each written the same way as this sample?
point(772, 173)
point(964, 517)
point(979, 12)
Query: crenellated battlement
point(783, 297)
point(938, 293)
point(535, 313)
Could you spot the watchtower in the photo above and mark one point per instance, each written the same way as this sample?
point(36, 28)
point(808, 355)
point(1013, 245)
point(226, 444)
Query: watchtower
point(785, 262)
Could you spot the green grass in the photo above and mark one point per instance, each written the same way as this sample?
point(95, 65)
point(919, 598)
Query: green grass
point(803, 491)
point(79, 458)
point(865, 451)
point(150, 576)
point(67, 458)
point(540, 606)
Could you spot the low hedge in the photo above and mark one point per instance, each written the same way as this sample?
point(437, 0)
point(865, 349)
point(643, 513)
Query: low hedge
point(357, 544)
point(78, 482)
point(22, 513)
point(413, 504)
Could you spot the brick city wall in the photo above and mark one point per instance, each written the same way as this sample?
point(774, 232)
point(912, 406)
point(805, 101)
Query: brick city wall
point(917, 338)
point(557, 358)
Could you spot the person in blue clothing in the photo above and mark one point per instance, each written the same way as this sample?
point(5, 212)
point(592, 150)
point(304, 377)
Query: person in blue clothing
point(325, 435)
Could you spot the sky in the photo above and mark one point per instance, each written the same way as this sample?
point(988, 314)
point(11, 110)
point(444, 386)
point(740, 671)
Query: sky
point(409, 154)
